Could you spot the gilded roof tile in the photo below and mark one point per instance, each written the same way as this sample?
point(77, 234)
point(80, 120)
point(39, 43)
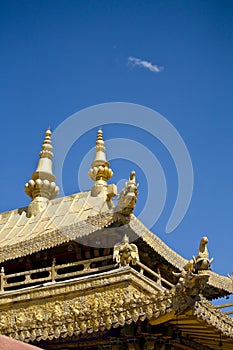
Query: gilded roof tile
point(74, 216)
point(16, 227)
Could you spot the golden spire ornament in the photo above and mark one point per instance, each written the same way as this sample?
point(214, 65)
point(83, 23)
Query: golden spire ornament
point(42, 186)
point(100, 171)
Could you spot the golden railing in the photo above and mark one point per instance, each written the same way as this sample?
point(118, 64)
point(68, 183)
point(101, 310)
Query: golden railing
point(53, 273)
point(159, 279)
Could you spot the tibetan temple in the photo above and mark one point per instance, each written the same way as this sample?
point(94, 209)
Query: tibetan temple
point(82, 272)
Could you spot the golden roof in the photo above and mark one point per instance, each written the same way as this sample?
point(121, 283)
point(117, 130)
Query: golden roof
point(73, 217)
point(63, 219)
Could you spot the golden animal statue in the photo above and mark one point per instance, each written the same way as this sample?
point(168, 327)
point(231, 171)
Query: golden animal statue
point(128, 196)
point(201, 262)
point(125, 253)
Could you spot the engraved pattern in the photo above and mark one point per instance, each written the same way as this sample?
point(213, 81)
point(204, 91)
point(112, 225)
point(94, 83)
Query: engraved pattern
point(87, 313)
point(109, 301)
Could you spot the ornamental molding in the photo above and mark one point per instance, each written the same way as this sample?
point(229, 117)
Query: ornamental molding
point(119, 277)
point(98, 303)
point(188, 290)
point(214, 316)
point(97, 309)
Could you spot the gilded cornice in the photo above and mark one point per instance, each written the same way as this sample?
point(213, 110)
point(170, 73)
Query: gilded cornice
point(122, 275)
point(214, 316)
point(220, 282)
point(97, 303)
point(88, 305)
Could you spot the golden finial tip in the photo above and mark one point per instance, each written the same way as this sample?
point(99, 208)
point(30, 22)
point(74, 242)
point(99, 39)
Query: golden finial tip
point(48, 132)
point(42, 183)
point(100, 167)
point(100, 135)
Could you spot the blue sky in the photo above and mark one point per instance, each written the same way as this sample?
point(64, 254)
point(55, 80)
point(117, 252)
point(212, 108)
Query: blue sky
point(175, 57)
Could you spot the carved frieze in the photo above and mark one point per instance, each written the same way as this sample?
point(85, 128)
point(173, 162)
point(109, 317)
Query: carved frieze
point(101, 304)
point(214, 316)
point(73, 314)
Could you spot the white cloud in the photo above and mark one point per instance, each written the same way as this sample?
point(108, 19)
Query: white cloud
point(133, 61)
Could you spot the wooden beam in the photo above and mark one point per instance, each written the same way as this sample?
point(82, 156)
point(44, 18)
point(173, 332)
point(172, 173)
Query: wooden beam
point(224, 305)
point(229, 312)
point(167, 317)
point(181, 346)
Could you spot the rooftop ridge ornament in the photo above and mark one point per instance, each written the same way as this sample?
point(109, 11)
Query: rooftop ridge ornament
point(128, 197)
point(100, 171)
point(42, 186)
point(201, 262)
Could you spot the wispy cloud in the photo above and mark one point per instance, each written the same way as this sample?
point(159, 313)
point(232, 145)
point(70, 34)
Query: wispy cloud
point(133, 61)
